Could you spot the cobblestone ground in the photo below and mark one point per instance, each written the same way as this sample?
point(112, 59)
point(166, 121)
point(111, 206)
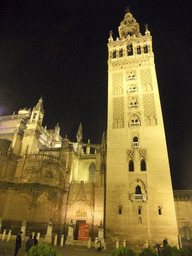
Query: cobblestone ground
point(8, 248)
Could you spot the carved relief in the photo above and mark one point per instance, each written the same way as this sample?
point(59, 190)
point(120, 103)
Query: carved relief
point(81, 213)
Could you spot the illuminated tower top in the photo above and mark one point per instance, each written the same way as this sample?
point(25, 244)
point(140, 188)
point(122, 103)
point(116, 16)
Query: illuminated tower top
point(128, 26)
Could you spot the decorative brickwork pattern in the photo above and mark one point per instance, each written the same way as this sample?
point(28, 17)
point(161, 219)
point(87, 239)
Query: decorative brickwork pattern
point(146, 80)
point(149, 109)
point(130, 154)
point(142, 154)
point(118, 112)
point(118, 83)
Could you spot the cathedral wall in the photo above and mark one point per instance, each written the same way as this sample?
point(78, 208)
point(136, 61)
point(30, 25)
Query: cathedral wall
point(80, 202)
point(44, 169)
point(183, 207)
point(99, 205)
point(33, 203)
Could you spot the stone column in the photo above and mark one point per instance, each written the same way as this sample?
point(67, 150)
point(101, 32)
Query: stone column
point(62, 240)
point(48, 236)
point(4, 234)
point(124, 243)
point(9, 235)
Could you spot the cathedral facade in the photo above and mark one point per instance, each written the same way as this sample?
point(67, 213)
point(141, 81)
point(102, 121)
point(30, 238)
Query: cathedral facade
point(124, 188)
point(45, 177)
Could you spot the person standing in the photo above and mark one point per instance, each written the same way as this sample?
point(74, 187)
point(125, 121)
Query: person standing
point(18, 243)
point(29, 243)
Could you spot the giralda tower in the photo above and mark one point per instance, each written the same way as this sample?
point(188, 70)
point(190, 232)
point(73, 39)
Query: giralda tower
point(139, 196)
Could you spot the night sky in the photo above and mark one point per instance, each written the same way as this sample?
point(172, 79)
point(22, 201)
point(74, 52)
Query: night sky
point(58, 50)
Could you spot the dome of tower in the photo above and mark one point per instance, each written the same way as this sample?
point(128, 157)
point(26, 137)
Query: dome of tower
point(128, 26)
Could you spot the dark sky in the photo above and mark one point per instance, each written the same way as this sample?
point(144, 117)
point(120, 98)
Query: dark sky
point(58, 50)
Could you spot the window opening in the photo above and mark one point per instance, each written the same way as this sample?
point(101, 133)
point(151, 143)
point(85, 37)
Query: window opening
point(145, 49)
point(121, 53)
point(120, 209)
point(131, 166)
point(114, 54)
point(129, 50)
point(34, 115)
point(139, 50)
point(139, 209)
point(143, 165)
point(138, 190)
point(132, 88)
point(159, 210)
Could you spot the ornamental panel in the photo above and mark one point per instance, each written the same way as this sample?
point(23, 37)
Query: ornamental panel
point(149, 109)
point(118, 83)
point(118, 112)
point(146, 79)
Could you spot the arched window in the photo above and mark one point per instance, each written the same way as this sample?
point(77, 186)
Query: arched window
point(131, 166)
point(134, 120)
point(145, 49)
point(138, 190)
point(121, 53)
point(139, 209)
point(120, 209)
point(129, 50)
point(133, 102)
point(159, 210)
point(114, 54)
point(92, 169)
point(135, 142)
point(143, 165)
point(132, 88)
point(138, 50)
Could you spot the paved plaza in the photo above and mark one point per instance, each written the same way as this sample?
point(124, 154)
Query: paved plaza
point(8, 248)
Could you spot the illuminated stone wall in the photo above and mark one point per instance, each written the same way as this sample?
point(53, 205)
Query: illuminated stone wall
point(44, 177)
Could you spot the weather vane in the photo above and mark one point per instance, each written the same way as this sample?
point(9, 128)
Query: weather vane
point(127, 9)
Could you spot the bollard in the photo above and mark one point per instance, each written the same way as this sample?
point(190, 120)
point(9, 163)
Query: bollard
point(9, 235)
point(117, 243)
point(62, 240)
point(104, 245)
point(4, 234)
point(55, 240)
point(38, 236)
point(124, 243)
point(96, 242)
point(89, 243)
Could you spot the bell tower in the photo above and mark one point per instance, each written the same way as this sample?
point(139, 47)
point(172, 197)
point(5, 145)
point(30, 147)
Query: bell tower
point(139, 196)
